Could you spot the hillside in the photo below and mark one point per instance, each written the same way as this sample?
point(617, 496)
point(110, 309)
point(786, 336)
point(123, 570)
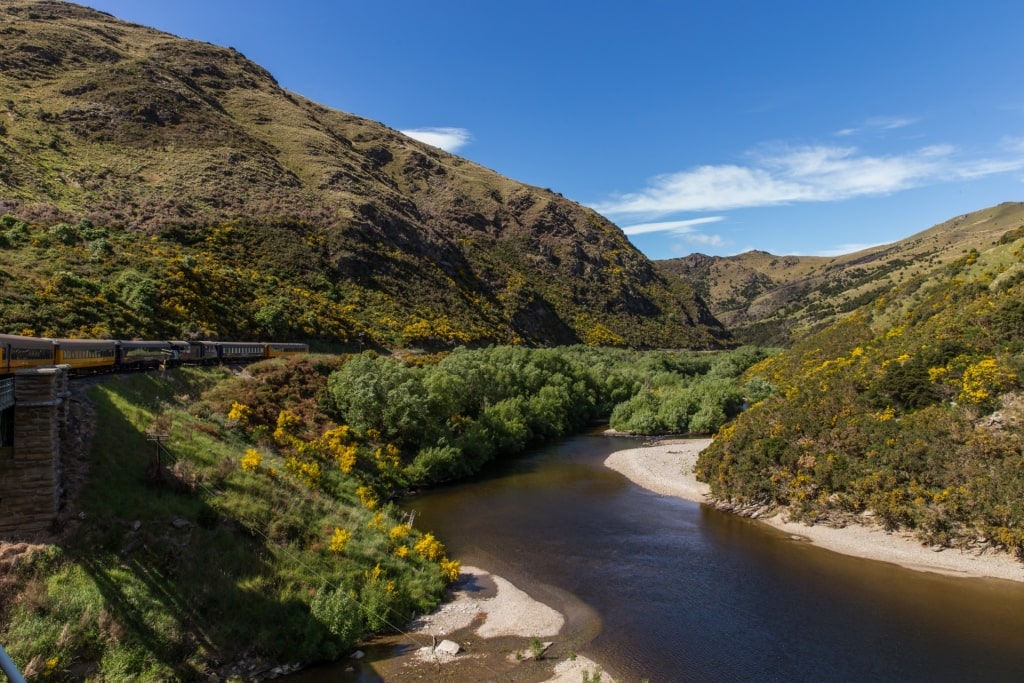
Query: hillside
point(907, 412)
point(774, 300)
point(240, 209)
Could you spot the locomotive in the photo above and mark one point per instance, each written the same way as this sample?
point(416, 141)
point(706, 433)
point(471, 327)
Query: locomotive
point(86, 356)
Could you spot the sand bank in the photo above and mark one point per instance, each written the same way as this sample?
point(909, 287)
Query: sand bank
point(494, 606)
point(667, 468)
point(491, 623)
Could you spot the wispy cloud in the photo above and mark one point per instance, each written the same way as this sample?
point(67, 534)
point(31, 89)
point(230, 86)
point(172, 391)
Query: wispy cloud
point(448, 139)
point(821, 173)
point(877, 123)
point(843, 249)
point(683, 229)
point(677, 227)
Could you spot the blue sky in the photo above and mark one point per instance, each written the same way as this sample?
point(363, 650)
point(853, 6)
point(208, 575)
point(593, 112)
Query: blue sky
point(796, 127)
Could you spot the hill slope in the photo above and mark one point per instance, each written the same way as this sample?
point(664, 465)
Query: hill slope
point(775, 300)
point(200, 152)
point(907, 412)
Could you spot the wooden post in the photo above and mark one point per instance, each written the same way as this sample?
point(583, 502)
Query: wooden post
point(159, 439)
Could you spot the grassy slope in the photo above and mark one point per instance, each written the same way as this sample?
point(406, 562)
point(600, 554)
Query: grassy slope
point(769, 299)
point(182, 575)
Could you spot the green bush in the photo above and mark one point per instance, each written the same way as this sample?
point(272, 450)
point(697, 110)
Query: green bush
point(340, 613)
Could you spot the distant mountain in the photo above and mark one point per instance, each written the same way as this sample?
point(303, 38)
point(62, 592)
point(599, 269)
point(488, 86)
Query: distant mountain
point(239, 208)
point(775, 300)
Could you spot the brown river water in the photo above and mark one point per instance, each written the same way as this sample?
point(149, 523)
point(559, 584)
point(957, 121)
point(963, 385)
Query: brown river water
point(663, 589)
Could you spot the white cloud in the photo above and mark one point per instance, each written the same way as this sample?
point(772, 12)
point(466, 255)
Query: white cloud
point(890, 122)
point(879, 123)
point(844, 249)
point(678, 227)
point(805, 174)
point(683, 229)
point(448, 139)
point(704, 240)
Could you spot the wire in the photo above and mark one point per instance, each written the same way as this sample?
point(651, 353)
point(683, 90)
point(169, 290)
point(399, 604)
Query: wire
point(294, 557)
point(252, 527)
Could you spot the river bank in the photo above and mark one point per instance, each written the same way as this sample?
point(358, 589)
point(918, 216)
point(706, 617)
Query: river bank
point(487, 629)
point(667, 468)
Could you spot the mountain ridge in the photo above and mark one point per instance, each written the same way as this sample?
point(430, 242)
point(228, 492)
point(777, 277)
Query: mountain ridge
point(145, 133)
point(775, 300)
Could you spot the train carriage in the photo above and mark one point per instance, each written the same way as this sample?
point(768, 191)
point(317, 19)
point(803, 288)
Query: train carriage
point(275, 349)
point(140, 355)
point(86, 355)
point(241, 352)
point(100, 355)
point(178, 352)
point(18, 353)
point(200, 353)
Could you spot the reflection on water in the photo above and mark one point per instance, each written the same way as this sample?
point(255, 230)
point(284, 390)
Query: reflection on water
point(686, 593)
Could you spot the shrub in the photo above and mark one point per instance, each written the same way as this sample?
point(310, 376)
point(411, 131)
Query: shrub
point(338, 611)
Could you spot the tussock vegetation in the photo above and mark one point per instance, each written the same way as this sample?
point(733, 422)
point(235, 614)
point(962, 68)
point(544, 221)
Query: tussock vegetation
point(908, 411)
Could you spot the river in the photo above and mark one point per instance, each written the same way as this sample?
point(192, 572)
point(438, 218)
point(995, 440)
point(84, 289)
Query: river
point(668, 590)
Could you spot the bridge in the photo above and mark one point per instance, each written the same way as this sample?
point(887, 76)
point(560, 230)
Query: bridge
point(33, 422)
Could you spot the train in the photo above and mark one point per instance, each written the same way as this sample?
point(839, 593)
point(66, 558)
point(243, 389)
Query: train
point(87, 356)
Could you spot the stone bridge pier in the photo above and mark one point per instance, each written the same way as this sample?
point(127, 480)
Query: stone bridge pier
point(33, 419)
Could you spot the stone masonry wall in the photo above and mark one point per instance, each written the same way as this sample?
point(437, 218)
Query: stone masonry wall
point(30, 476)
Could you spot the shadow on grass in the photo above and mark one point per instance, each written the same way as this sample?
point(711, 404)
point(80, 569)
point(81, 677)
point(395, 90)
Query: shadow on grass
point(190, 588)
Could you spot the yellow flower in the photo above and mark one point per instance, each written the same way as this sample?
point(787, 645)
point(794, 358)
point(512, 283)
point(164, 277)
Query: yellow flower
point(251, 461)
point(450, 569)
point(240, 413)
point(339, 540)
point(377, 522)
point(286, 424)
point(886, 415)
point(985, 378)
point(429, 548)
point(366, 497)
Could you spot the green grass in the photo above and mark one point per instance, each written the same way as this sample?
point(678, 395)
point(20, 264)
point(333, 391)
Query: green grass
point(167, 577)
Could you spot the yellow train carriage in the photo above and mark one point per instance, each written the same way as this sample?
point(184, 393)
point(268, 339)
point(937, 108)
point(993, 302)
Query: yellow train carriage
point(275, 349)
point(86, 355)
point(18, 353)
